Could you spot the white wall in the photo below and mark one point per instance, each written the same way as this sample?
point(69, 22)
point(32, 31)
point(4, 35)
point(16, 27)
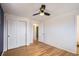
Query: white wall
point(60, 31)
point(41, 32)
point(29, 28)
point(78, 29)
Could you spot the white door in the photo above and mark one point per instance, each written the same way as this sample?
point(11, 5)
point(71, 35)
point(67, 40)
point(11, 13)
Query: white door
point(16, 34)
point(11, 34)
point(21, 33)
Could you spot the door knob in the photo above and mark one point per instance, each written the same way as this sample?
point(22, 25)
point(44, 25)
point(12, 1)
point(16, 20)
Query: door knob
point(8, 35)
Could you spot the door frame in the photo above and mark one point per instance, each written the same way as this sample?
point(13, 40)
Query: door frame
point(25, 34)
point(35, 32)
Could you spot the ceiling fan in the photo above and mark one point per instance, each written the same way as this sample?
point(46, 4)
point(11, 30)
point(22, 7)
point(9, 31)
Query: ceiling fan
point(42, 11)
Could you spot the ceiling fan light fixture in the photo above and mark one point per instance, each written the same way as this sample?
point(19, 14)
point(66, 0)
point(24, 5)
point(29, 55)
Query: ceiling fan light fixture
point(42, 11)
point(41, 14)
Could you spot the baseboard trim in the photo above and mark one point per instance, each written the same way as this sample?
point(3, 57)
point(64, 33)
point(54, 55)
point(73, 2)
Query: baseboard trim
point(2, 53)
point(58, 47)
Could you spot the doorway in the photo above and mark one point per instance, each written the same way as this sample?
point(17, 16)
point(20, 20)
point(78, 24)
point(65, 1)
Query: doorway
point(35, 33)
point(16, 34)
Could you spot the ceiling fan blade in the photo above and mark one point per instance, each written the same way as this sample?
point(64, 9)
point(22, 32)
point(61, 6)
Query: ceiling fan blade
point(42, 11)
point(36, 14)
point(48, 14)
point(42, 7)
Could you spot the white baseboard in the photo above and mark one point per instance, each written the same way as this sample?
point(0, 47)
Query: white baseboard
point(2, 53)
point(58, 47)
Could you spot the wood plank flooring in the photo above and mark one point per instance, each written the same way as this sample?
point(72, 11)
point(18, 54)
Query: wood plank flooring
point(37, 49)
point(78, 49)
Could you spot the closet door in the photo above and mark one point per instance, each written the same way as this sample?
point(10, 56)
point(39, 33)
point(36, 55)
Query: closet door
point(12, 34)
point(16, 33)
point(21, 33)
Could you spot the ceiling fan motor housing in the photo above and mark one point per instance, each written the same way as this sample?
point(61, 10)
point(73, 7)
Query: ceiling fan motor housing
point(42, 8)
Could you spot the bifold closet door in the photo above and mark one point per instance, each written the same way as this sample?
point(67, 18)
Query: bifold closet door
point(16, 34)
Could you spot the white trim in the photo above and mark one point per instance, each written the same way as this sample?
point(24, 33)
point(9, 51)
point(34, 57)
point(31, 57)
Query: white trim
point(2, 53)
point(57, 47)
point(5, 30)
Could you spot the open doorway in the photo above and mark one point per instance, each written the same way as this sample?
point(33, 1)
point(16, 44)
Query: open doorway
point(77, 35)
point(35, 33)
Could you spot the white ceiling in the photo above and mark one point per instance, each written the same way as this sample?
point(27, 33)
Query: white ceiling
point(28, 9)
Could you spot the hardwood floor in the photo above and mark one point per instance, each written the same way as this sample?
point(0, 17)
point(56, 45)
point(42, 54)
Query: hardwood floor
point(78, 49)
point(37, 49)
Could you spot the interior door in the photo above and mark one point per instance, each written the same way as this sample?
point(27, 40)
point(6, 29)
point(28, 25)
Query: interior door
point(21, 33)
point(12, 34)
point(16, 33)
